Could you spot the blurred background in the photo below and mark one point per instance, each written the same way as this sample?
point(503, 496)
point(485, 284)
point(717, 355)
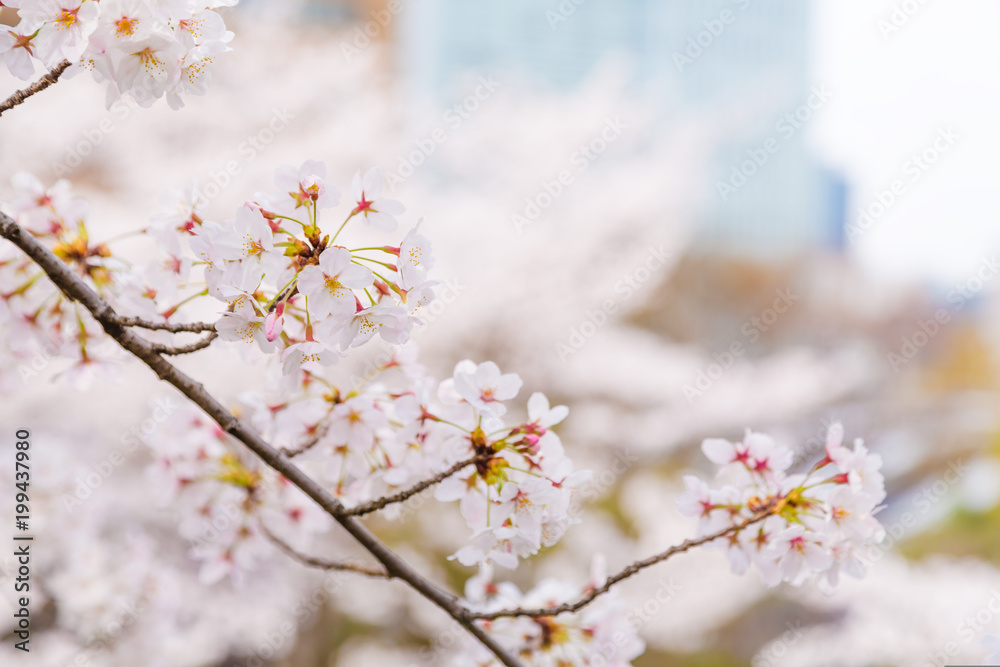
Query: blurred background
point(678, 218)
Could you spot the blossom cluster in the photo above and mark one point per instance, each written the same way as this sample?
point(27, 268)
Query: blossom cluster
point(287, 292)
point(599, 635)
point(817, 522)
point(517, 497)
point(290, 288)
point(226, 501)
point(398, 428)
point(143, 48)
point(282, 285)
point(41, 324)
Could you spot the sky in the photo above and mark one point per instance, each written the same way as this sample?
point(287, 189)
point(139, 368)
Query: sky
point(931, 77)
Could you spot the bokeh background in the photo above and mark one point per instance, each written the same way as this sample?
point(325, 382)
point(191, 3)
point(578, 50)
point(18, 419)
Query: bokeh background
point(679, 218)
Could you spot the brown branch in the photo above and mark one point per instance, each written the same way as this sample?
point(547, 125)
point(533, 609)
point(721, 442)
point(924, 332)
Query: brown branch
point(396, 568)
point(570, 607)
point(378, 504)
point(174, 327)
point(323, 564)
point(185, 349)
point(47, 80)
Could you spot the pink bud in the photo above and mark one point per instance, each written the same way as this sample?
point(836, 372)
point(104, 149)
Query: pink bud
point(274, 321)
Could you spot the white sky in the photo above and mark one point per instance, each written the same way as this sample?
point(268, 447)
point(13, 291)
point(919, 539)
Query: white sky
point(892, 95)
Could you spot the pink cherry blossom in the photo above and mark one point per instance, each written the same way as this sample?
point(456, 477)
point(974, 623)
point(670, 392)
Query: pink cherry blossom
point(330, 284)
point(377, 211)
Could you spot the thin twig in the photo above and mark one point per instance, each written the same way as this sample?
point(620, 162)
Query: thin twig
point(174, 327)
point(47, 80)
point(569, 607)
point(185, 349)
point(292, 452)
point(323, 564)
point(74, 288)
point(378, 504)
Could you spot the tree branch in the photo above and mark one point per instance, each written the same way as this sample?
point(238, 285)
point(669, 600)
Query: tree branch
point(378, 504)
point(324, 564)
point(174, 327)
point(74, 288)
point(569, 607)
point(185, 349)
point(47, 80)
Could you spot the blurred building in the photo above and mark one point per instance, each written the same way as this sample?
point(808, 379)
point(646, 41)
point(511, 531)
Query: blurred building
point(742, 65)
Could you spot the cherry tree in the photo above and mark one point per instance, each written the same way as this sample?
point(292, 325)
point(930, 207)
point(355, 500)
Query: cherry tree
point(292, 288)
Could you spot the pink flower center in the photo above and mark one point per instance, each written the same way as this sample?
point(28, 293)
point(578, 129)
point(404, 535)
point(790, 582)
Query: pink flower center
point(24, 42)
point(364, 205)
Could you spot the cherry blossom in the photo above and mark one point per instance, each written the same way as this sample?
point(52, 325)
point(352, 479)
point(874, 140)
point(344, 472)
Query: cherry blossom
point(63, 27)
point(251, 242)
point(377, 211)
point(246, 324)
point(17, 48)
point(817, 521)
point(484, 387)
point(598, 635)
point(330, 284)
point(147, 49)
point(415, 258)
point(307, 355)
point(390, 322)
point(307, 185)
